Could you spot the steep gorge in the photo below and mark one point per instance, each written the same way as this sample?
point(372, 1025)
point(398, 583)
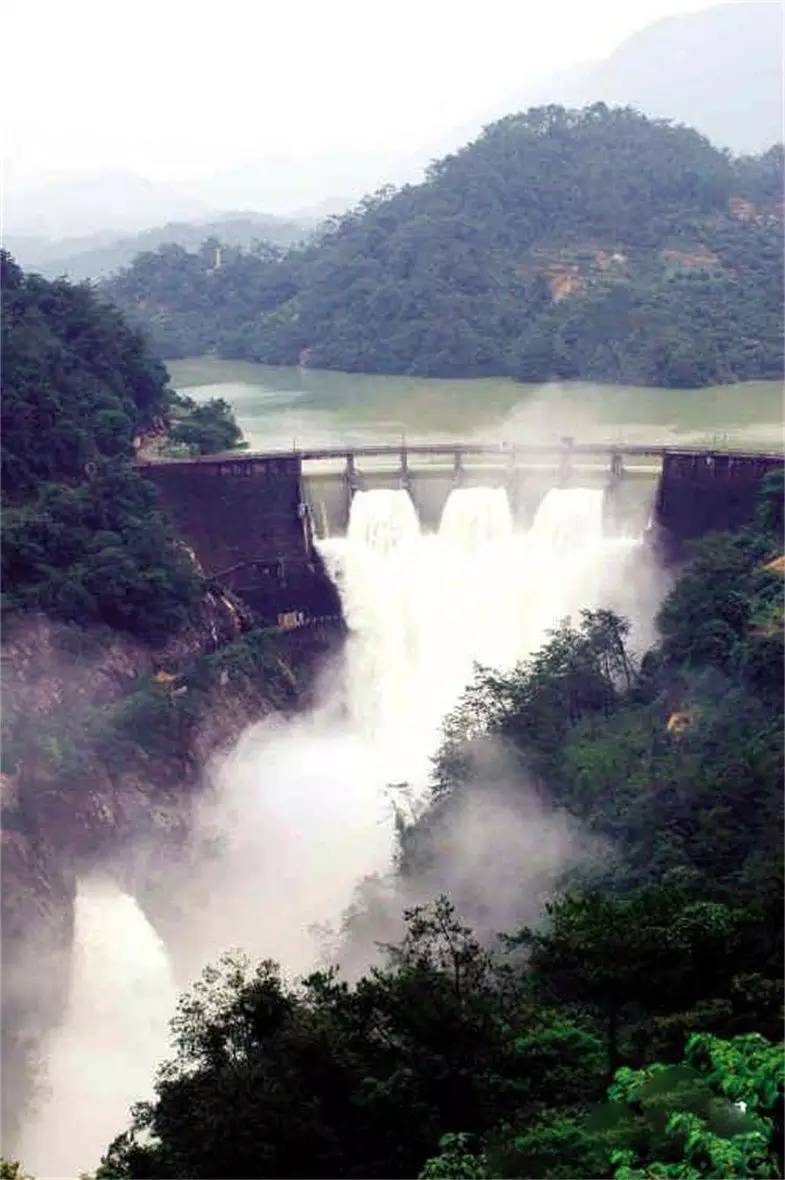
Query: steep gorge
point(301, 811)
point(107, 740)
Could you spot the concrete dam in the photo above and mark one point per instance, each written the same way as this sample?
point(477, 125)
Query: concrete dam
point(253, 520)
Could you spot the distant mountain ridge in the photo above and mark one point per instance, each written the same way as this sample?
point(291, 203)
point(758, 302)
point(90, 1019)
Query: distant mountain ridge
point(99, 255)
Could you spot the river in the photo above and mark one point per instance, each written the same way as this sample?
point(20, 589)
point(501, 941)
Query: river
point(280, 407)
point(305, 808)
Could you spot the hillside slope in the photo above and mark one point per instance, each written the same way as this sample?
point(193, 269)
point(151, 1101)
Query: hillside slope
point(83, 537)
point(99, 598)
point(594, 244)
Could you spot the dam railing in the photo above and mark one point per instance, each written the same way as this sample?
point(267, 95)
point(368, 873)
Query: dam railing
point(499, 450)
point(565, 453)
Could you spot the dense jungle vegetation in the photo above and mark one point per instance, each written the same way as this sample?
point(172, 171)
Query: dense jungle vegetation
point(630, 1033)
point(83, 538)
point(561, 244)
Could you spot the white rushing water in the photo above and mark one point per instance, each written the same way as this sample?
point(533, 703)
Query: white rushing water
point(121, 996)
point(423, 608)
point(302, 808)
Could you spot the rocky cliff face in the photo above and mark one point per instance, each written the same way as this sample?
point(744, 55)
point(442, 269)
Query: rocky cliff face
point(82, 786)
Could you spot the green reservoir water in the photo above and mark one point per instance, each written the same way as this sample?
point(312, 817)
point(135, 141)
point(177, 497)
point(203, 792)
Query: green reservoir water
point(278, 408)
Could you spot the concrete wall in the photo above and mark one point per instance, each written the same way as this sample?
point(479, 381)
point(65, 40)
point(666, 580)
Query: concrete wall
point(699, 493)
point(246, 514)
point(234, 512)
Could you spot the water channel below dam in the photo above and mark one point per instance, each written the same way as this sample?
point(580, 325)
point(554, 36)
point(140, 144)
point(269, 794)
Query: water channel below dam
point(304, 808)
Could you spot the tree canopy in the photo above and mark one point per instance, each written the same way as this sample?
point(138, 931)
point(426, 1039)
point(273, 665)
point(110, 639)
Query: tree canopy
point(83, 537)
point(631, 1031)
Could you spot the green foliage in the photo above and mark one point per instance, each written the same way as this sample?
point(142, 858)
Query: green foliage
point(202, 429)
point(747, 1069)
point(591, 244)
point(770, 520)
point(12, 1170)
point(706, 1117)
point(77, 382)
point(455, 1161)
point(559, 1147)
point(99, 552)
point(324, 1079)
point(653, 951)
point(83, 538)
point(576, 675)
point(271, 1079)
point(187, 306)
point(159, 719)
point(714, 614)
point(561, 1052)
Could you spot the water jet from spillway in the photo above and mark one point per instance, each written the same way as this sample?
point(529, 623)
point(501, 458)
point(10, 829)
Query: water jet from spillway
point(102, 1058)
point(300, 811)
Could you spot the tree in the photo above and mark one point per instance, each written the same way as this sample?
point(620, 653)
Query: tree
point(203, 429)
point(651, 950)
point(84, 538)
point(12, 1170)
point(325, 1079)
point(708, 1117)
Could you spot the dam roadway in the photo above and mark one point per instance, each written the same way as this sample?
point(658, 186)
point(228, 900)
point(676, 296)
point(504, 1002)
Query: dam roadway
point(251, 517)
point(499, 450)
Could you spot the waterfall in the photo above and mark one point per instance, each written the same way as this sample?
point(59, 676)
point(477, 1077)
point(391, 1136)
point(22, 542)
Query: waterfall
point(423, 608)
point(380, 578)
point(301, 809)
point(475, 517)
point(571, 564)
point(383, 522)
point(569, 519)
point(102, 1058)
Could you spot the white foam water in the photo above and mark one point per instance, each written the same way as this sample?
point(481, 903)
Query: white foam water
point(121, 996)
point(301, 809)
point(423, 609)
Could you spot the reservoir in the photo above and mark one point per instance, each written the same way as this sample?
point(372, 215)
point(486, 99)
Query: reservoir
point(278, 408)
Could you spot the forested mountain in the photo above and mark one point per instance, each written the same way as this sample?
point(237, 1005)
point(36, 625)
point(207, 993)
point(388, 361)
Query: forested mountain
point(568, 244)
point(83, 539)
point(96, 256)
point(630, 1034)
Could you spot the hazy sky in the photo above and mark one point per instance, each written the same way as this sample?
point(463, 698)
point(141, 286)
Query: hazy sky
point(174, 89)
